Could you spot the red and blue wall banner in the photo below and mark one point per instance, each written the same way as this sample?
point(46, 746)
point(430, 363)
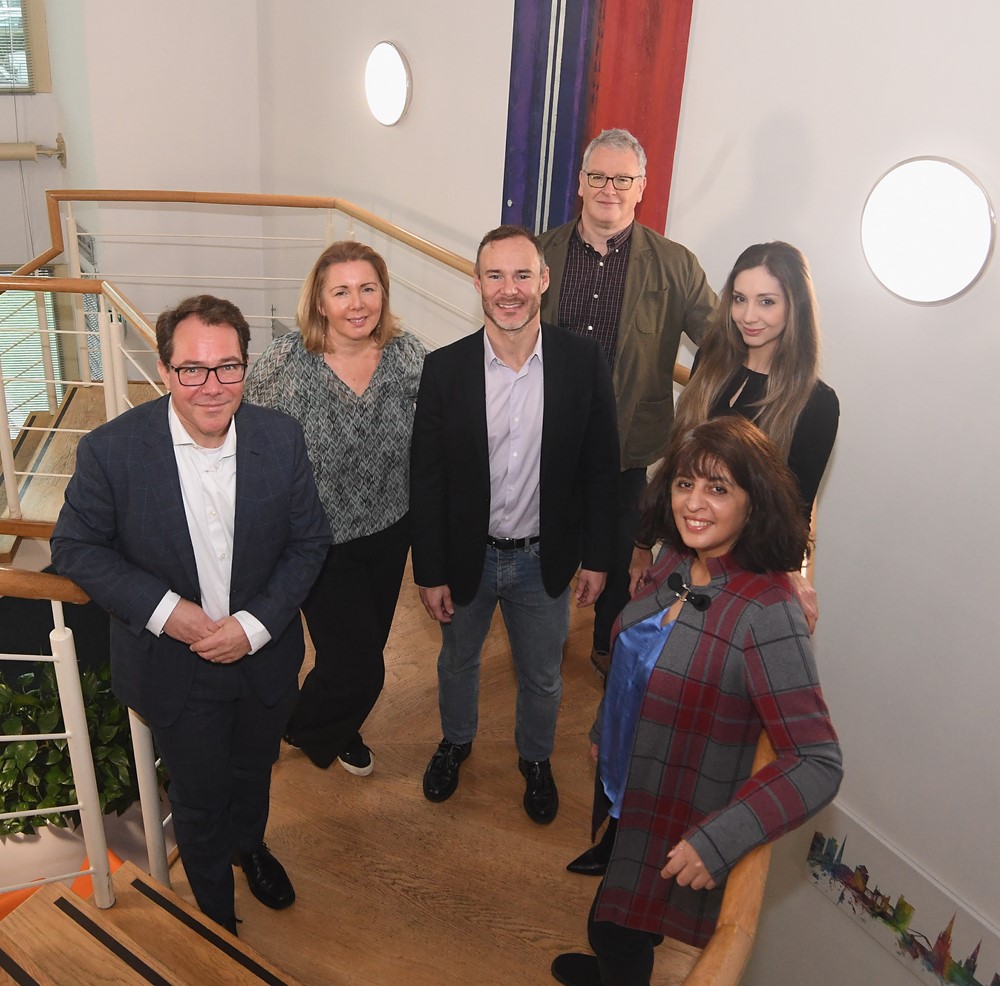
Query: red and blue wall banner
point(579, 67)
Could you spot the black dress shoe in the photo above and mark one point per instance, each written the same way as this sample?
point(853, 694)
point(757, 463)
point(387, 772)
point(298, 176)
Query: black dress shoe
point(441, 775)
point(576, 969)
point(541, 799)
point(594, 862)
point(266, 877)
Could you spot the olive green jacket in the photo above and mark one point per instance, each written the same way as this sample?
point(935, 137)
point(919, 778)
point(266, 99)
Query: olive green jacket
point(666, 293)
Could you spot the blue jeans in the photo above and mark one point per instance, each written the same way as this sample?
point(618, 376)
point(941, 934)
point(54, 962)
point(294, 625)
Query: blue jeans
point(536, 625)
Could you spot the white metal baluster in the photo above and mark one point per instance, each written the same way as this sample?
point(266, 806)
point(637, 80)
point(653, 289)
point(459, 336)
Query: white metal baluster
point(149, 798)
point(107, 360)
point(46, 342)
point(81, 756)
point(79, 315)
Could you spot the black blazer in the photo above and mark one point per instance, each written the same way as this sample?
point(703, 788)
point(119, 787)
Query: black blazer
point(450, 469)
point(122, 535)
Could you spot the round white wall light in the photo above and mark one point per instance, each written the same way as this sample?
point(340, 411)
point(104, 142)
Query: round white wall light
point(927, 230)
point(387, 83)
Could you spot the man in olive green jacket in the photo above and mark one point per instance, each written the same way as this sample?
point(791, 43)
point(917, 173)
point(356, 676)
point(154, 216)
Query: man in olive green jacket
point(635, 292)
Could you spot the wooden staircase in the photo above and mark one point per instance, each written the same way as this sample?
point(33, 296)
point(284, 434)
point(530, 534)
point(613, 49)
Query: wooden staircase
point(150, 936)
point(53, 452)
point(25, 447)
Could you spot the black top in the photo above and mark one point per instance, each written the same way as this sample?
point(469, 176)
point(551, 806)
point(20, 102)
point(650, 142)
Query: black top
point(815, 431)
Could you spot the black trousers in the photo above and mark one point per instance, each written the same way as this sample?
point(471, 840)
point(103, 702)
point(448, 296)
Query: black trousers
point(624, 955)
point(611, 602)
point(349, 613)
point(219, 754)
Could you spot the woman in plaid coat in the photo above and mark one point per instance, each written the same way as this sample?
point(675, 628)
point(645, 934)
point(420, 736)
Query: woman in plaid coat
point(713, 649)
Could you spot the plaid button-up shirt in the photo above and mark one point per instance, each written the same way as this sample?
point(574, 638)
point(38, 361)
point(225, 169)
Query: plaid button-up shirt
point(590, 299)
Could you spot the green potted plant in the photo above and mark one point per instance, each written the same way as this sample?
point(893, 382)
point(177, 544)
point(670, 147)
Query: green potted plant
point(37, 773)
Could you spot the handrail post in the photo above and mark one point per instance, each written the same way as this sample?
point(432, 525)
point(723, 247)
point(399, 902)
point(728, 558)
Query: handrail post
point(46, 346)
point(81, 756)
point(149, 798)
point(107, 360)
point(117, 336)
point(7, 456)
point(79, 315)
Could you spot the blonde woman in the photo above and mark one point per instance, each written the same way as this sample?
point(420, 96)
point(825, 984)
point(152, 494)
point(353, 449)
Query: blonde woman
point(349, 376)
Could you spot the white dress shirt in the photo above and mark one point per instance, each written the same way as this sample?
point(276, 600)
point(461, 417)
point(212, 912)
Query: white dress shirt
point(208, 488)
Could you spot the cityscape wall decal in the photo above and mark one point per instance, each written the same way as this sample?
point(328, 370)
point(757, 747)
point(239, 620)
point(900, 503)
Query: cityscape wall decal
point(938, 939)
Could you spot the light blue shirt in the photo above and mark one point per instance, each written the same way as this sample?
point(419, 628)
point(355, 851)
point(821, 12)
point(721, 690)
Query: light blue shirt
point(515, 402)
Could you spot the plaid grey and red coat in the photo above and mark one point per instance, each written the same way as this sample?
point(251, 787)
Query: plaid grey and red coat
point(741, 665)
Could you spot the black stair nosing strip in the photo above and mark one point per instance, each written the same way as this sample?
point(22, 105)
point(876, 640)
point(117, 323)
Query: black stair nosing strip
point(96, 932)
point(16, 971)
point(152, 894)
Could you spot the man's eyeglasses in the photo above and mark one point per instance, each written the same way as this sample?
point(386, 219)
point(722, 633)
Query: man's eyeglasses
point(197, 376)
point(621, 182)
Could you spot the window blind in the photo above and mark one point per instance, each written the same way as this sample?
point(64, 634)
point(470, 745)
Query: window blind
point(21, 353)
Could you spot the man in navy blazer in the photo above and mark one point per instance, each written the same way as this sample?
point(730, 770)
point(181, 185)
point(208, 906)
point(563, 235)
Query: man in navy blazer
point(194, 521)
point(513, 478)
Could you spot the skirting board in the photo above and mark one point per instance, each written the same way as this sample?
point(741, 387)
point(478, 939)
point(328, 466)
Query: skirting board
point(930, 931)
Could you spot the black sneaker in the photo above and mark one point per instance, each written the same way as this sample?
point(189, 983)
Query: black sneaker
point(357, 758)
point(441, 775)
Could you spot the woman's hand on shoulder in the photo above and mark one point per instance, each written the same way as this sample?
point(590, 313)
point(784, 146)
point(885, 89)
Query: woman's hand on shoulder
point(807, 598)
point(685, 867)
point(638, 569)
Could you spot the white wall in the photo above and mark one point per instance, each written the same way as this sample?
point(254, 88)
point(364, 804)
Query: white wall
point(437, 173)
point(162, 96)
point(790, 113)
point(24, 230)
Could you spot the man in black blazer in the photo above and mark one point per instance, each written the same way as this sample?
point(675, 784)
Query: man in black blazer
point(513, 473)
point(194, 521)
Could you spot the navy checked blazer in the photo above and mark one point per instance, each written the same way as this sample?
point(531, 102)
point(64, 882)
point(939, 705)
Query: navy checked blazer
point(122, 535)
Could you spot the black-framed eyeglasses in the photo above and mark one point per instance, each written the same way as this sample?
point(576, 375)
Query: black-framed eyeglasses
point(197, 376)
point(621, 182)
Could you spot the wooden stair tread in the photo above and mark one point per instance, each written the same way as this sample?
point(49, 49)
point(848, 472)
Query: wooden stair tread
point(51, 924)
point(150, 935)
point(17, 966)
point(149, 912)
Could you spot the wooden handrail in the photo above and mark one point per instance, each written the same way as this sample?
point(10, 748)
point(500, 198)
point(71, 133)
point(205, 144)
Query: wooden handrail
point(21, 282)
point(18, 527)
point(23, 584)
point(724, 958)
point(65, 285)
point(54, 196)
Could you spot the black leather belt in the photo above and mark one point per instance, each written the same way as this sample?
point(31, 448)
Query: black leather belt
point(510, 544)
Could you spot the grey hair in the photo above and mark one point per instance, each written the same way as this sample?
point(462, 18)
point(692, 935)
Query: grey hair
point(619, 139)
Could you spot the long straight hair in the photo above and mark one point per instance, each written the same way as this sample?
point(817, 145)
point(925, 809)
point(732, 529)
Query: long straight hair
point(723, 353)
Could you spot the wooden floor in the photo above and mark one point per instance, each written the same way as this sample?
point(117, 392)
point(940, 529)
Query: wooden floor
point(393, 889)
